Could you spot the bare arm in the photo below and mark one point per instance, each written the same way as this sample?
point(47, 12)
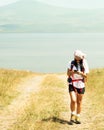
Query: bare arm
point(70, 72)
point(82, 74)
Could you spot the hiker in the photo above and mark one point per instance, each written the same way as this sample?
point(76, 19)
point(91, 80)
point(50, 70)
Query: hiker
point(77, 74)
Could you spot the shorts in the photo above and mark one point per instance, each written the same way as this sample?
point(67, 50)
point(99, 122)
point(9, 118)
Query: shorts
point(78, 90)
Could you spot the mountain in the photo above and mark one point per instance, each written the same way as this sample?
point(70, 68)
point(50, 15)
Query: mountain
point(37, 17)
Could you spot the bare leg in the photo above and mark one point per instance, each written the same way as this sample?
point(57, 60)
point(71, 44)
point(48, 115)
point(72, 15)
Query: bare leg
point(73, 107)
point(79, 105)
point(73, 101)
point(79, 102)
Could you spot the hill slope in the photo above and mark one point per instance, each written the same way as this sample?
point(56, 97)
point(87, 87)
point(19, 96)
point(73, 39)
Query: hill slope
point(32, 16)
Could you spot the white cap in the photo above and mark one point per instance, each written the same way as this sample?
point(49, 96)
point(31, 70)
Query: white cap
point(79, 54)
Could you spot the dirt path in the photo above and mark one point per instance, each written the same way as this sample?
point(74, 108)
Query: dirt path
point(15, 109)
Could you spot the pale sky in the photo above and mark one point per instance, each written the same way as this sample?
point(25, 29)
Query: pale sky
point(6, 2)
point(89, 4)
point(86, 4)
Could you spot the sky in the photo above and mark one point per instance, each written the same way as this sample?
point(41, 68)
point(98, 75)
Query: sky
point(6, 2)
point(86, 4)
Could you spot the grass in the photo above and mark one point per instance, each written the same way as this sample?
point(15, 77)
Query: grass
point(9, 79)
point(96, 86)
point(44, 109)
point(43, 112)
point(96, 97)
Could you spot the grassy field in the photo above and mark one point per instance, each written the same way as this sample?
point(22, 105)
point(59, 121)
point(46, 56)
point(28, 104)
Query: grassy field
point(96, 97)
point(9, 79)
point(45, 107)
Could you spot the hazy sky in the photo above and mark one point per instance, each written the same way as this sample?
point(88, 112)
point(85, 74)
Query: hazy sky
point(76, 3)
point(6, 2)
point(90, 4)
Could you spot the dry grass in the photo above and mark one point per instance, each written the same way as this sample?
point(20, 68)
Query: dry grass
point(96, 97)
point(9, 79)
point(44, 109)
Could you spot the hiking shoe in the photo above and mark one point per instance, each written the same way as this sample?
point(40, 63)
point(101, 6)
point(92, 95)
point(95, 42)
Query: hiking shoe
point(77, 120)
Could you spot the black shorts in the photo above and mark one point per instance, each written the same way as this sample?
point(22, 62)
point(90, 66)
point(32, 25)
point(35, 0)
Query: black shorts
point(78, 90)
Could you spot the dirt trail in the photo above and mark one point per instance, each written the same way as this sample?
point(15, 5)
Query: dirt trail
point(15, 109)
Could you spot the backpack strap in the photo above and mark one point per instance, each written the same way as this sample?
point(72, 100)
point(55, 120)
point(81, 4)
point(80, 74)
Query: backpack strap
point(73, 63)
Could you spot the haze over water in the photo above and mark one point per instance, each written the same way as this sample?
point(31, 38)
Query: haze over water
point(49, 52)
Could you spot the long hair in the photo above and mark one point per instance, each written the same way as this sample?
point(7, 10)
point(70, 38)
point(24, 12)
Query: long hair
point(74, 62)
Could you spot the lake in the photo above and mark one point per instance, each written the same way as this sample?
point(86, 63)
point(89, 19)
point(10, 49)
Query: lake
point(49, 52)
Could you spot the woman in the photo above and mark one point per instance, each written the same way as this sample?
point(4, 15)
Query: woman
point(77, 74)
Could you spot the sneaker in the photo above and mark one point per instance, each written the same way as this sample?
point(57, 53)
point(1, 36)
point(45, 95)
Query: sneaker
point(77, 120)
point(72, 119)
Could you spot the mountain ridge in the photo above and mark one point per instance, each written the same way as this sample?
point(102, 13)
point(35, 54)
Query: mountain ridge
point(34, 16)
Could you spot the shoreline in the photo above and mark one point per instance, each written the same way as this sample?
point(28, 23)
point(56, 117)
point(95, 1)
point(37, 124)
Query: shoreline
point(36, 72)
